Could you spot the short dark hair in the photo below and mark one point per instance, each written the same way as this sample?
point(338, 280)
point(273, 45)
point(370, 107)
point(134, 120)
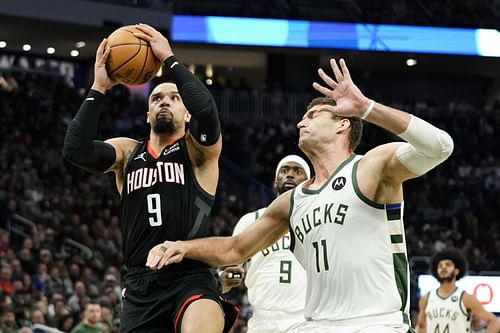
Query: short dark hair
point(453, 254)
point(356, 122)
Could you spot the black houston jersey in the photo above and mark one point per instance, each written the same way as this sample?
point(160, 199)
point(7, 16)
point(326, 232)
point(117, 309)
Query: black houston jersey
point(161, 200)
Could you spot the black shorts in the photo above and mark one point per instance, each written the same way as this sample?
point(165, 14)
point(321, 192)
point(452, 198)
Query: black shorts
point(155, 302)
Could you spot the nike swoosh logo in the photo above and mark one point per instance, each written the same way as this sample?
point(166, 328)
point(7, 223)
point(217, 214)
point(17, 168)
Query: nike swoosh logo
point(174, 64)
point(89, 98)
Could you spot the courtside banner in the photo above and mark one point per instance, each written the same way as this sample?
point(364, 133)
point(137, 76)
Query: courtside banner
point(485, 288)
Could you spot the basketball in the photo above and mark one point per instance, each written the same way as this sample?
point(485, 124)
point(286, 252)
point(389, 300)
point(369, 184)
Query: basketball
point(131, 59)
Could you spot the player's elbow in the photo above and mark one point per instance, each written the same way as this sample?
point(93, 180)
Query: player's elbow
point(445, 145)
point(439, 146)
point(71, 155)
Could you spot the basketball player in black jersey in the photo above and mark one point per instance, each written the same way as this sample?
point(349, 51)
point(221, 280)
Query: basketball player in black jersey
point(167, 185)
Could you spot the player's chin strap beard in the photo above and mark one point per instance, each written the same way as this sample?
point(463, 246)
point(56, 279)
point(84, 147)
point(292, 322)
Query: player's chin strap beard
point(163, 127)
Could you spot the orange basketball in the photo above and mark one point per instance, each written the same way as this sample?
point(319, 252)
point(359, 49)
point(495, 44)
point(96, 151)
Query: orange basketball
point(131, 60)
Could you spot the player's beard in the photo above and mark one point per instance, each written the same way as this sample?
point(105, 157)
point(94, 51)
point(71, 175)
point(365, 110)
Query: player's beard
point(447, 279)
point(163, 126)
point(284, 187)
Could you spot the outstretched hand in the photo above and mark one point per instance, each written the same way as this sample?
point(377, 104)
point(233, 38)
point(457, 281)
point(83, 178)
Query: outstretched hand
point(165, 254)
point(102, 81)
point(159, 44)
point(349, 99)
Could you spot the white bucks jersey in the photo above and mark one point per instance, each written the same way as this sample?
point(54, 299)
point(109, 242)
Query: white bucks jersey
point(275, 279)
point(447, 315)
point(354, 251)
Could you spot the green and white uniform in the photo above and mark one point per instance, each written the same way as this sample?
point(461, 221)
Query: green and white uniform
point(355, 254)
point(276, 284)
point(447, 315)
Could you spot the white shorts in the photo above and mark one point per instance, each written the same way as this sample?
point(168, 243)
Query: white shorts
point(324, 327)
point(264, 321)
point(384, 323)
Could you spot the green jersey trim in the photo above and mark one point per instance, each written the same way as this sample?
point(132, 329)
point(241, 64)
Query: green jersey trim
point(290, 211)
point(340, 167)
point(445, 298)
point(464, 311)
point(358, 191)
point(401, 274)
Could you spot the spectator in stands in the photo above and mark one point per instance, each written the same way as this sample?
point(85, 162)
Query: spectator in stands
point(9, 324)
point(78, 295)
point(6, 279)
point(90, 321)
point(66, 323)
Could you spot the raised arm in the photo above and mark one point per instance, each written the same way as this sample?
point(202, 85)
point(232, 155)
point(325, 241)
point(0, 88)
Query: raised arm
point(80, 145)
point(426, 146)
point(223, 251)
point(204, 135)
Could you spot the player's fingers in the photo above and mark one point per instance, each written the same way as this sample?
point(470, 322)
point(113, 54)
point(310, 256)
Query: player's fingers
point(153, 259)
point(321, 89)
point(155, 255)
point(162, 262)
point(327, 79)
point(102, 46)
point(100, 50)
point(345, 70)
point(147, 27)
point(336, 70)
point(105, 55)
point(143, 36)
point(170, 260)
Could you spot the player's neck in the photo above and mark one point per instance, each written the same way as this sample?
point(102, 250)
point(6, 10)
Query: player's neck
point(326, 163)
point(446, 288)
point(159, 141)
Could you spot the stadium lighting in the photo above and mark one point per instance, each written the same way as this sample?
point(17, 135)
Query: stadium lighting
point(80, 44)
point(74, 53)
point(26, 47)
point(3, 44)
point(51, 50)
point(410, 62)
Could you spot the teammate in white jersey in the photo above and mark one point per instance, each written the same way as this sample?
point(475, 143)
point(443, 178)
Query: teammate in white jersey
point(448, 309)
point(275, 280)
point(346, 222)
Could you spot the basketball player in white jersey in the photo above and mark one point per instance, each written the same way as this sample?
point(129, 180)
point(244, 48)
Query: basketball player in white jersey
point(448, 309)
point(346, 222)
point(275, 280)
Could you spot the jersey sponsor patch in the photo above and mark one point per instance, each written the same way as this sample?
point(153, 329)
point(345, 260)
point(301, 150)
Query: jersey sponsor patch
point(339, 183)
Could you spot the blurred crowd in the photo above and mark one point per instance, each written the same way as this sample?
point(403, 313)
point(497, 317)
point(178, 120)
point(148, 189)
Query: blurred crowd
point(60, 241)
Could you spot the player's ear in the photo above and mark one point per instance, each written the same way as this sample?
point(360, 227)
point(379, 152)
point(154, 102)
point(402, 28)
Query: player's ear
point(187, 117)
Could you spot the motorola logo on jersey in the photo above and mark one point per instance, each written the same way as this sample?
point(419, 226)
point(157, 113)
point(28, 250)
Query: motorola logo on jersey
point(454, 298)
point(165, 172)
point(339, 183)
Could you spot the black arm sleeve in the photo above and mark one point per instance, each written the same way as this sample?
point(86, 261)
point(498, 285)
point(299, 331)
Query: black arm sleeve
point(204, 125)
point(80, 148)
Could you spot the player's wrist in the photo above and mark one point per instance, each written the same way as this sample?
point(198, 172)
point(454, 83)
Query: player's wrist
point(99, 87)
point(367, 108)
